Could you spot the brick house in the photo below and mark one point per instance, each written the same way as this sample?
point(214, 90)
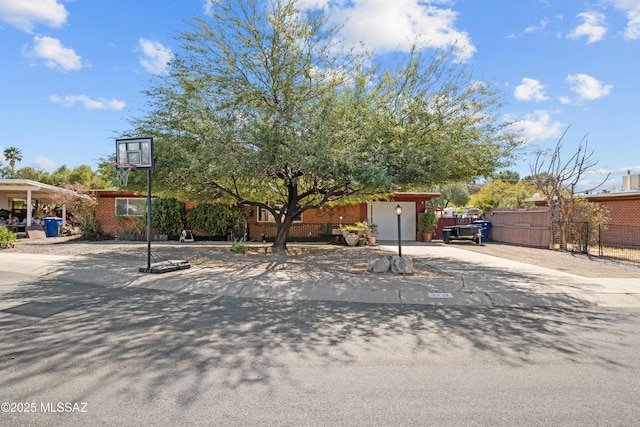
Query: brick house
point(624, 206)
point(379, 212)
point(622, 228)
point(116, 210)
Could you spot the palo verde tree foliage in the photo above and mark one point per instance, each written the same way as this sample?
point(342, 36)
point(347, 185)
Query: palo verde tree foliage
point(262, 105)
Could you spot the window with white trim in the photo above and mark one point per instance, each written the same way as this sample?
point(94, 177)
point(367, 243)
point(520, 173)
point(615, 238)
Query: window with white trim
point(265, 216)
point(131, 206)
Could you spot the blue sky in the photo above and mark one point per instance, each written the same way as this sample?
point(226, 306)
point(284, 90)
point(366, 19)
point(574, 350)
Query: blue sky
point(73, 70)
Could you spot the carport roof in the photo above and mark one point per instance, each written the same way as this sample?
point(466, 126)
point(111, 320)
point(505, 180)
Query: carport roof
point(18, 188)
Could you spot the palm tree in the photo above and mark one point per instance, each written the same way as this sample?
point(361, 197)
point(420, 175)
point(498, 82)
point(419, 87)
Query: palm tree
point(13, 155)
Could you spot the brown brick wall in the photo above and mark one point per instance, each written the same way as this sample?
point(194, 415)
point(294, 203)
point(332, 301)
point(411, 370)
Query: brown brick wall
point(625, 222)
point(326, 215)
point(106, 214)
point(623, 212)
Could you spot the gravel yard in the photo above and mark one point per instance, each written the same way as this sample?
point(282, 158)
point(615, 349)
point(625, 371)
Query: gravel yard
point(308, 256)
point(321, 257)
point(569, 262)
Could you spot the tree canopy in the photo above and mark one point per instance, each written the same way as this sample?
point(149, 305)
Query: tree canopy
point(452, 193)
point(503, 194)
point(11, 155)
point(262, 105)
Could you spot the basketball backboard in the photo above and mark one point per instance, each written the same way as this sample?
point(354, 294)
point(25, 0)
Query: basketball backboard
point(137, 151)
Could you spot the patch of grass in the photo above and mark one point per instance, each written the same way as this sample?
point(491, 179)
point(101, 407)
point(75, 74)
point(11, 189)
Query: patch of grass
point(239, 247)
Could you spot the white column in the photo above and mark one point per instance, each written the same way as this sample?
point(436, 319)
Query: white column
point(64, 215)
point(28, 208)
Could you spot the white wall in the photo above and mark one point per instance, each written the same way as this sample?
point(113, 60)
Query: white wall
point(384, 215)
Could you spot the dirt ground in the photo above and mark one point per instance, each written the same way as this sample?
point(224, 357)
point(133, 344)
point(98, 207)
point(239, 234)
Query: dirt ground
point(318, 257)
point(308, 256)
point(569, 262)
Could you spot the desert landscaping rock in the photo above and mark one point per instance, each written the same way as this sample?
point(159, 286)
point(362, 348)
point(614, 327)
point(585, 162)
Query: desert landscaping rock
point(402, 265)
point(380, 265)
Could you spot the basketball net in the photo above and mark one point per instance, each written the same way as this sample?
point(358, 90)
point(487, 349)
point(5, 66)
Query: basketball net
point(122, 171)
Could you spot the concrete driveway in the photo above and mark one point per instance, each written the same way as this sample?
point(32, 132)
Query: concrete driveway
point(469, 279)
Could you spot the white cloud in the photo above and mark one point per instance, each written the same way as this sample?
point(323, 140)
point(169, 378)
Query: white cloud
point(538, 126)
point(25, 14)
point(588, 87)
point(632, 9)
point(44, 163)
point(632, 31)
point(565, 100)
point(529, 89)
point(593, 27)
point(208, 6)
point(155, 57)
point(55, 55)
point(541, 25)
point(387, 26)
point(88, 103)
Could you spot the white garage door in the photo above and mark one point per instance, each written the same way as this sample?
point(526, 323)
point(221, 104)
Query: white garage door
point(384, 215)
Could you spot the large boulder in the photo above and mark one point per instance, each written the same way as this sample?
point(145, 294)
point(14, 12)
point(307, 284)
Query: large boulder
point(401, 265)
point(380, 265)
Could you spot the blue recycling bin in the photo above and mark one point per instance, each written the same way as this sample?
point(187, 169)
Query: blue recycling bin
point(52, 226)
point(486, 227)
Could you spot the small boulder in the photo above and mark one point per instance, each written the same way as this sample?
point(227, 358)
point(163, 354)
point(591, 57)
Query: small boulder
point(402, 265)
point(380, 265)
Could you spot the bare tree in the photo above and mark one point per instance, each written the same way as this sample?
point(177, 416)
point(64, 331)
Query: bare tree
point(557, 179)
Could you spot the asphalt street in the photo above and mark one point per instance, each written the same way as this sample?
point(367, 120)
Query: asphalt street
point(79, 351)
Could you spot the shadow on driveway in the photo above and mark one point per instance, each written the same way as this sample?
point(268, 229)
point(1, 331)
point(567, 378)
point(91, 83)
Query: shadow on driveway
point(143, 342)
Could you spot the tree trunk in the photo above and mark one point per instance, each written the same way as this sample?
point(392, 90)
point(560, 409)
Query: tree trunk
point(564, 235)
point(280, 243)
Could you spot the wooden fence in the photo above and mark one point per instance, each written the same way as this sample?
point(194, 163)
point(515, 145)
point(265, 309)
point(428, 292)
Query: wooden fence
point(526, 227)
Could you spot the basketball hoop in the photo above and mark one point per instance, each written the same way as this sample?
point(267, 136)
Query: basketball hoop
point(122, 171)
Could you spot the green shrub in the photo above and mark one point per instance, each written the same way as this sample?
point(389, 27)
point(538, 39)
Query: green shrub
point(7, 238)
point(91, 230)
point(166, 216)
point(427, 221)
point(216, 219)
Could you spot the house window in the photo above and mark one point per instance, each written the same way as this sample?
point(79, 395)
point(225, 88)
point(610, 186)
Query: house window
point(265, 216)
point(131, 206)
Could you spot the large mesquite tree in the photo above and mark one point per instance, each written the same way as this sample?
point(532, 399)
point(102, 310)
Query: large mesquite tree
point(261, 105)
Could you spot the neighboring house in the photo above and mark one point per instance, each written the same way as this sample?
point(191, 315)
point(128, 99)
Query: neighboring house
point(115, 209)
point(26, 199)
point(531, 227)
point(624, 206)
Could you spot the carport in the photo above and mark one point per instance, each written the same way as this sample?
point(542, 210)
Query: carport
point(29, 191)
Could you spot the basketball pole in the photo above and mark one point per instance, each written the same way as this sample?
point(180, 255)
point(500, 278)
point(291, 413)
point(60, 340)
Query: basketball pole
point(148, 220)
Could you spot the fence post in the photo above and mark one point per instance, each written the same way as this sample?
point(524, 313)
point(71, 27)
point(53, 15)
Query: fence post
point(600, 251)
point(587, 226)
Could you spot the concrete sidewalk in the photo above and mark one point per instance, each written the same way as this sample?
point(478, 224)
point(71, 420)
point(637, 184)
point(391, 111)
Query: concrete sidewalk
point(472, 279)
